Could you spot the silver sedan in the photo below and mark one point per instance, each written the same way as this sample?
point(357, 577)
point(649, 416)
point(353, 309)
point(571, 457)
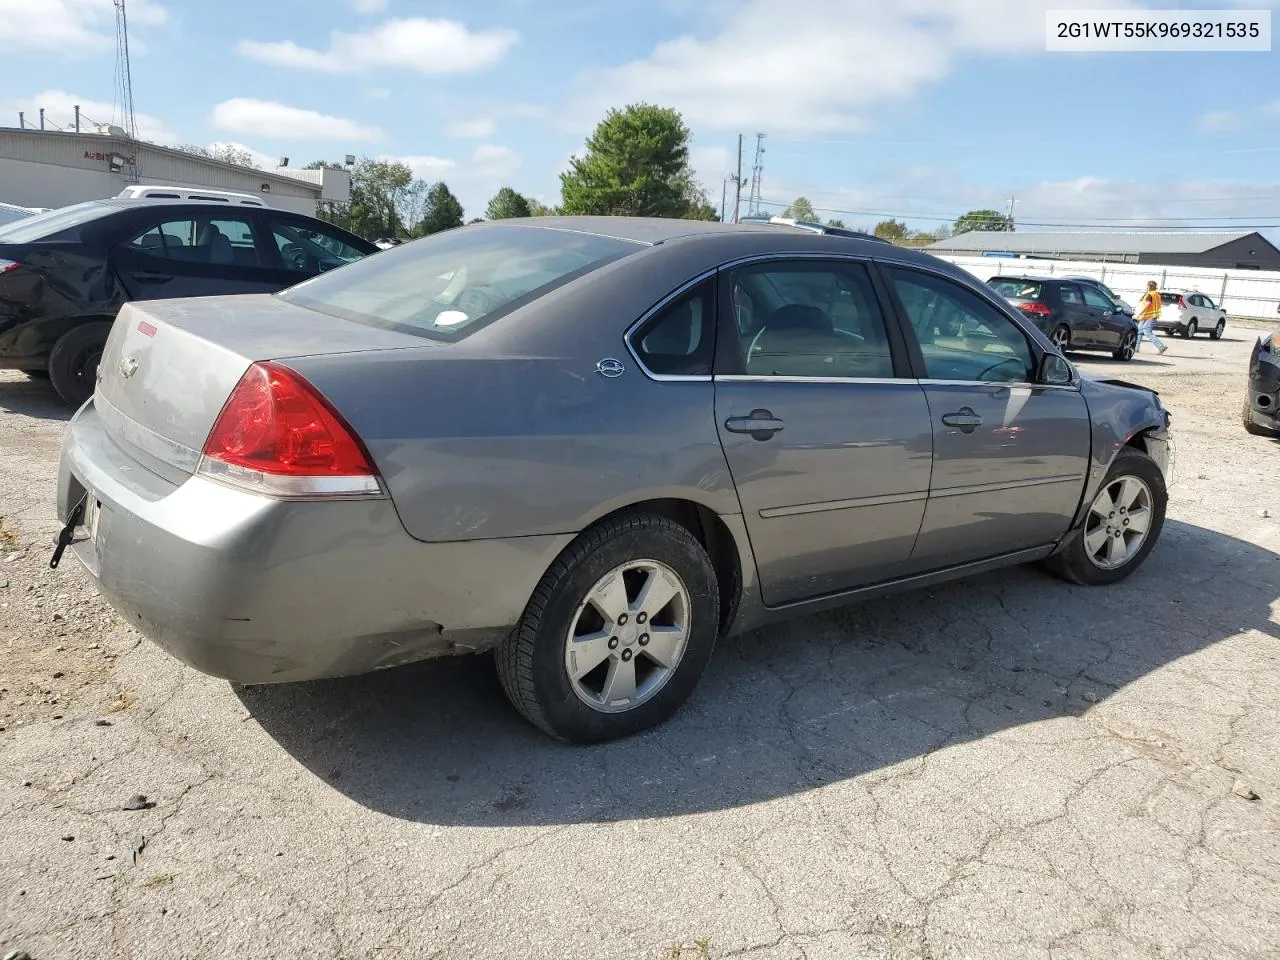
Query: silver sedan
point(592, 446)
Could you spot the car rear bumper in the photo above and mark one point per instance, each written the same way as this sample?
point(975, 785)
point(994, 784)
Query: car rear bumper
point(257, 590)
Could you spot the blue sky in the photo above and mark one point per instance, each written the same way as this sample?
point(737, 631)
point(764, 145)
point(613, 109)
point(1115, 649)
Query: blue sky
point(917, 108)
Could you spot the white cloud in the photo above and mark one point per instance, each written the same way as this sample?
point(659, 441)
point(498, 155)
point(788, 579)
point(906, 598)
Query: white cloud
point(477, 129)
point(805, 68)
point(61, 25)
point(60, 113)
point(368, 6)
point(474, 179)
point(1221, 121)
point(267, 118)
point(418, 44)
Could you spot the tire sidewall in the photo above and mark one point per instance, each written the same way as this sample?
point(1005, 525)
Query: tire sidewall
point(564, 711)
point(66, 355)
point(1128, 347)
point(1128, 462)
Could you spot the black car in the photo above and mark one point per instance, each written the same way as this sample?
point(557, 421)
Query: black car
point(1074, 315)
point(1106, 291)
point(1262, 400)
point(64, 274)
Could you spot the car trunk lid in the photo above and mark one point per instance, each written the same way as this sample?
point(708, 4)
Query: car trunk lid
point(169, 366)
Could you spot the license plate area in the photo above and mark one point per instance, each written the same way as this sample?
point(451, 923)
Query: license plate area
point(89, 524)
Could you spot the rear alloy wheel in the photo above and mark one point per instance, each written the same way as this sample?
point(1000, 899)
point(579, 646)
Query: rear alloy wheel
point(1191, 329)
point(617, 634)
point(1216, 332)
point(73, 362)
point(1123, 523)
point(1061, 337)
point(1128, 347)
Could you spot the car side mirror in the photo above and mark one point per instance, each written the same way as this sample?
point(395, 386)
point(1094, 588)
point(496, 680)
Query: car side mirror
point(1055, 371)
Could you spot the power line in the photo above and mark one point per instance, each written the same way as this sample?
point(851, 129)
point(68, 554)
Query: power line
point(1046, 223)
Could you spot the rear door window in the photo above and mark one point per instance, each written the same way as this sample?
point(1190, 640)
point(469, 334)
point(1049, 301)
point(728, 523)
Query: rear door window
point(679, 340)
point(204, 240)
point(1071, 295)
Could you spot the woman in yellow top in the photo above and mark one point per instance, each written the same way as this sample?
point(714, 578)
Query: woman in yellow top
point(1147, 315)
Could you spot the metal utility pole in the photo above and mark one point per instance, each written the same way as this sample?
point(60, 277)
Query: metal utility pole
point(1009, 222)
point(724, 197)
point(124, 80)
point(77, 118)
point(22, 120)
point(737, 182)
point(42, 118)
point(757, 172)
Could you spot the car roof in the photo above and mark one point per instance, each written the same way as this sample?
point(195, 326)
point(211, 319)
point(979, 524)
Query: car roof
point(1026, 276)
point(649, 230)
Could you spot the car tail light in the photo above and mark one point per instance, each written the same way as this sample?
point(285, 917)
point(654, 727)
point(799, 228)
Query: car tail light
point(1182, 303)
point(7, 265)
point(278, 436)
point(1039, 309)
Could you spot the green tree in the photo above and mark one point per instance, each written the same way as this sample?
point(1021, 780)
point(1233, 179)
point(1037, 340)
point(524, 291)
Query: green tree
point(636, 164)
point(226, 152)
point(539, 209)
point(835, 223)
point(983, 220)
point(895, 231)
point(443, 211)
point(385, 198)
point(801, 209)
point(506, 203)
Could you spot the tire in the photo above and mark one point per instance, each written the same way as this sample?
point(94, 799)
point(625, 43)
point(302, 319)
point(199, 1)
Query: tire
point(1191, 329)
point(1216, 332)
point(534, 660)
point(1128, 347)
point(1061, 337)
point(1074, 562)
point(73, 362)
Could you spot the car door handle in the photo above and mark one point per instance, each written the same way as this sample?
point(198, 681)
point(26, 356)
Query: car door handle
point(761, 424)
point(965, 419)
point(145, 276)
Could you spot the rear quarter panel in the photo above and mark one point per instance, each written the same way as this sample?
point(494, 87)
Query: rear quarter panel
point(516, 446)
point(58, 287)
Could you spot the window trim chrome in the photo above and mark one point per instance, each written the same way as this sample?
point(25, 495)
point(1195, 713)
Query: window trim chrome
point(649, 315)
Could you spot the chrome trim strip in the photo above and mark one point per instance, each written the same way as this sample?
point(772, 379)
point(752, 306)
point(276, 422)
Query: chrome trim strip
point(827, 505)
point(995, 383)
point(648, 315)
point(751, 378)
point(121, 427)
point(996, 487)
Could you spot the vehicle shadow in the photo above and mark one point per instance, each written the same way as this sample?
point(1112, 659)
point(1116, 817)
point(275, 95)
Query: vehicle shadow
point(30, 397)
point(784, 710)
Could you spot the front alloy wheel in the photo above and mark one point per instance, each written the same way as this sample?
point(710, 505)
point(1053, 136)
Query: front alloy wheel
point(1118, 523)
point(1061, 337)
point(1128, 347)
point(1122, 524)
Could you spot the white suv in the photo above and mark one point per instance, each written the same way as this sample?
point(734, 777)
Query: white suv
point(1188, 312)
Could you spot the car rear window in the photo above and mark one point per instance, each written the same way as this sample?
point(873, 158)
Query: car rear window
point(46, 226)
point(446, 286)
point(1022, 289)
point(1169, 297)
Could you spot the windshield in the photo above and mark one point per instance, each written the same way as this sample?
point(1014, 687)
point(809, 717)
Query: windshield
point(43, 226)
point(448, 285)
point(1021, 289)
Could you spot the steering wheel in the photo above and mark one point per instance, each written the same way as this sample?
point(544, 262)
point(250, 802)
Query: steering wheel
point(294, 256)
point(997, 365)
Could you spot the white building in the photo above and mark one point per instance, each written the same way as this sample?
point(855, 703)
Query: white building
point(47, 168)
